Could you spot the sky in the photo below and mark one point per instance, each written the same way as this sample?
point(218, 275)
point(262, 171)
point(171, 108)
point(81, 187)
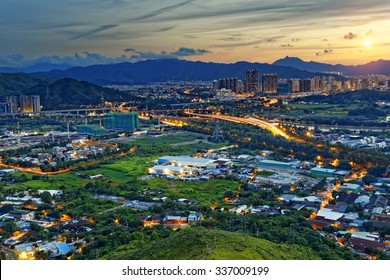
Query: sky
point(85, 32)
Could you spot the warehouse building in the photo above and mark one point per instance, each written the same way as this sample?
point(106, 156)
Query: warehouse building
point(326, 172)
point(184, 161)
point(170, 170)
point(274, 164)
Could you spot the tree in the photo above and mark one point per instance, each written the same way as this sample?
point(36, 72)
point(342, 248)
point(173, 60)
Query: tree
point(9, 227)
point(369, 226)
point(344, 164)
point(229, 194)
point(46, 197)
point(320, 186)
point(376, 171)
point(368, 179)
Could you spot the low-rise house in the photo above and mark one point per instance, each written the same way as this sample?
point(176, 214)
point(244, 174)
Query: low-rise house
point(26, 251)
point(287, 198)
point(344, 198)
point(4, 172)
point(377, 201)
point(175, 222)
point(380, 220)
point(52, 192)
point(308, 200)
point(18, 215)
point(362, 200)
point(329, 215)
point(350, 188)
point(336, 208)
point(241, 209)
point(377, 210)
point(360, 245)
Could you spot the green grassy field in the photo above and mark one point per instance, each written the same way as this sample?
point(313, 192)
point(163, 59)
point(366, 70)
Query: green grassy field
point(320, 109)
point(68, 180)
point(171, 139)
point(122, 169)
point(205, 192)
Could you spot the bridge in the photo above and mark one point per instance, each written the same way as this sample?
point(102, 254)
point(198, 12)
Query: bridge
point(77, 111)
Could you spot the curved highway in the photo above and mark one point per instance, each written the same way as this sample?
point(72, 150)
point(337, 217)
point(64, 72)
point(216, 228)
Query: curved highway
point(252, 121)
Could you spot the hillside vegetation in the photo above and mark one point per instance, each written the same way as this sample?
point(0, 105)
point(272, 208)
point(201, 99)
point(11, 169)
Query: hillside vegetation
point(57, 93)
point(198, 243)
point(15, 83)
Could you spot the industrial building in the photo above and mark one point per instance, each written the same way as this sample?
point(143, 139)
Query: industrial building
point(323, 171)
point(170, 170)
point(274, 164)
point(185, 161)
point(121, 121)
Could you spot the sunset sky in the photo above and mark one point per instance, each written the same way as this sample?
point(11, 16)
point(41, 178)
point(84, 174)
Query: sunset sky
point(103, 31)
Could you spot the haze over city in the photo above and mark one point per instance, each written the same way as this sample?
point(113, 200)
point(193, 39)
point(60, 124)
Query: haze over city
point(108, 31)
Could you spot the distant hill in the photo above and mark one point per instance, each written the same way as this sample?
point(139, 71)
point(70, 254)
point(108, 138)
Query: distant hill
point(15, 83)
point(172, 70)
point(57, 93)
point(375, 67)
point(38, 67)
point(69, 93)
point(203, 244)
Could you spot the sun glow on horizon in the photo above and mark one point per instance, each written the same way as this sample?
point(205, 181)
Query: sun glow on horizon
point(367, 43)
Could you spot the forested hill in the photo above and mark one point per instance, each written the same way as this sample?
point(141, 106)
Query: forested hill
point(57, 93)
point(71, 93)
point(15, 83)
point(199, 243)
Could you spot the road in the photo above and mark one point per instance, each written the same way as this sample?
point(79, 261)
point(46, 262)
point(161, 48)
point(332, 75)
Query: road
point(252, 121)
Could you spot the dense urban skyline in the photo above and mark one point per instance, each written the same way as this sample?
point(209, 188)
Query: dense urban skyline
point(105, 31)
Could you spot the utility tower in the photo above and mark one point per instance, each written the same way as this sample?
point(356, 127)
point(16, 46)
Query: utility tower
point(217, 135)
point(387, 170)
point(18, 132)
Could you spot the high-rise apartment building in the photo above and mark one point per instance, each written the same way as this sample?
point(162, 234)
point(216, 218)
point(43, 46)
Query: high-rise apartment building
point(305, 85)
point(25, 104)
point(252, 81)
point(270, 83)
point(12, 102)
point(233, 84)
point(36, 103)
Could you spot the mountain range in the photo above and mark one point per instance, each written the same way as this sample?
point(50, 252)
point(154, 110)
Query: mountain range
point(161, 70)
point(374, 67)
